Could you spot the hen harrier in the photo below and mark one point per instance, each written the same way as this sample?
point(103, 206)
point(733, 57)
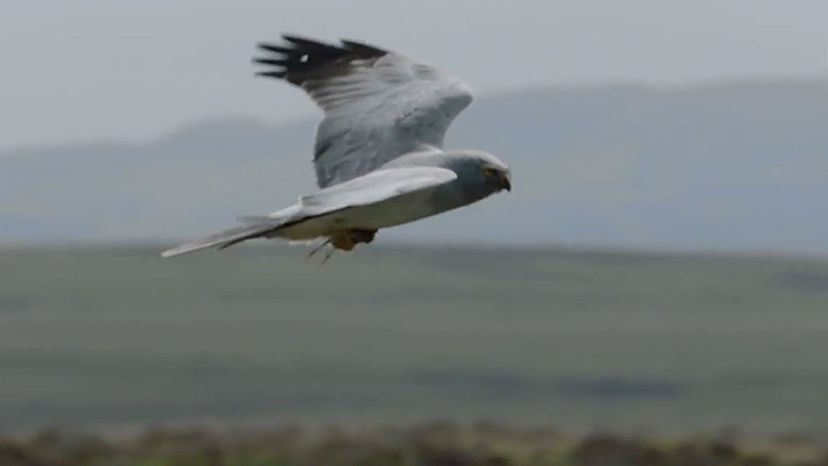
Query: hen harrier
point(378, 153)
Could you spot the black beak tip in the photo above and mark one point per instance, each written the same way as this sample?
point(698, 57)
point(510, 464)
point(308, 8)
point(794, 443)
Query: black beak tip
point(507, 185)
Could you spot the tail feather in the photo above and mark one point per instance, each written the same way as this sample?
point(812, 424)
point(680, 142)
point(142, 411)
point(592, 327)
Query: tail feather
point(253, 227)
point(225, 238)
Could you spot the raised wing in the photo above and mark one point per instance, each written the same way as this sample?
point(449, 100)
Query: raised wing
point(378, 104)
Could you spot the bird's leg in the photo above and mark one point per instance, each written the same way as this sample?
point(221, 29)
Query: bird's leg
point(328, 255)
point(318, 248)
point(339, 240)
point(344, 240)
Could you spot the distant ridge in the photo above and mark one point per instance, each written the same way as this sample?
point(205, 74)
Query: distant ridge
point(737, 165)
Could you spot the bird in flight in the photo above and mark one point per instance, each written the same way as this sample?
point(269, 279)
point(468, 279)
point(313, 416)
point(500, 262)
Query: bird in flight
point(378, 153)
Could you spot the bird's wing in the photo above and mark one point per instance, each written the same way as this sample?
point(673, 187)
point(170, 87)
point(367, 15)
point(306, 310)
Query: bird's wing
point(377, 186)
point(378, 104)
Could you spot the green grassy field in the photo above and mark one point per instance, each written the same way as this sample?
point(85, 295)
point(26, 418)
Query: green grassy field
point(256, 336)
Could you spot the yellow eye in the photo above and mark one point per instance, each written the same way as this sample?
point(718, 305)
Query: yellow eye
point(489, 172)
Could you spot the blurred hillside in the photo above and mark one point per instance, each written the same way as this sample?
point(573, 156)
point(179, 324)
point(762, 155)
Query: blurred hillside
point(737, 165)
point(578, 340)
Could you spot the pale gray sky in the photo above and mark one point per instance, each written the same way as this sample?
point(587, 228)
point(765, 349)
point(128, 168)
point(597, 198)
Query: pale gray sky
point(92, 69)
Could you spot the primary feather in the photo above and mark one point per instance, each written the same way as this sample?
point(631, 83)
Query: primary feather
point(378, 104)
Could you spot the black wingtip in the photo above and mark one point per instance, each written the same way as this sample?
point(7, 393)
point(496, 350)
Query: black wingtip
point(268, 47)
point(362, 47)
point(306, 42)
point(271, 74)
point(299, 59)
point(293, 38)
point(269, 61)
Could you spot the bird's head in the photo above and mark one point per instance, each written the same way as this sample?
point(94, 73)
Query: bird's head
point(481, 174)
point(489, 171)
point(496, 177)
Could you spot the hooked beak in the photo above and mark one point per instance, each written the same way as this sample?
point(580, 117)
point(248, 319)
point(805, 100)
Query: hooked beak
point(506, 182)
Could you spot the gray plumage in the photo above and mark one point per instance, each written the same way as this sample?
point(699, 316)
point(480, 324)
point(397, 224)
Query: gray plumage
point(377, 155)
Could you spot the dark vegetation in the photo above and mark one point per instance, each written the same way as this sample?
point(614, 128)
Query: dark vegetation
point(438, 444)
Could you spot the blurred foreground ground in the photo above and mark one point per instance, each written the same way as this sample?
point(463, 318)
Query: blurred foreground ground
point(435, 444)
point(110, 339)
